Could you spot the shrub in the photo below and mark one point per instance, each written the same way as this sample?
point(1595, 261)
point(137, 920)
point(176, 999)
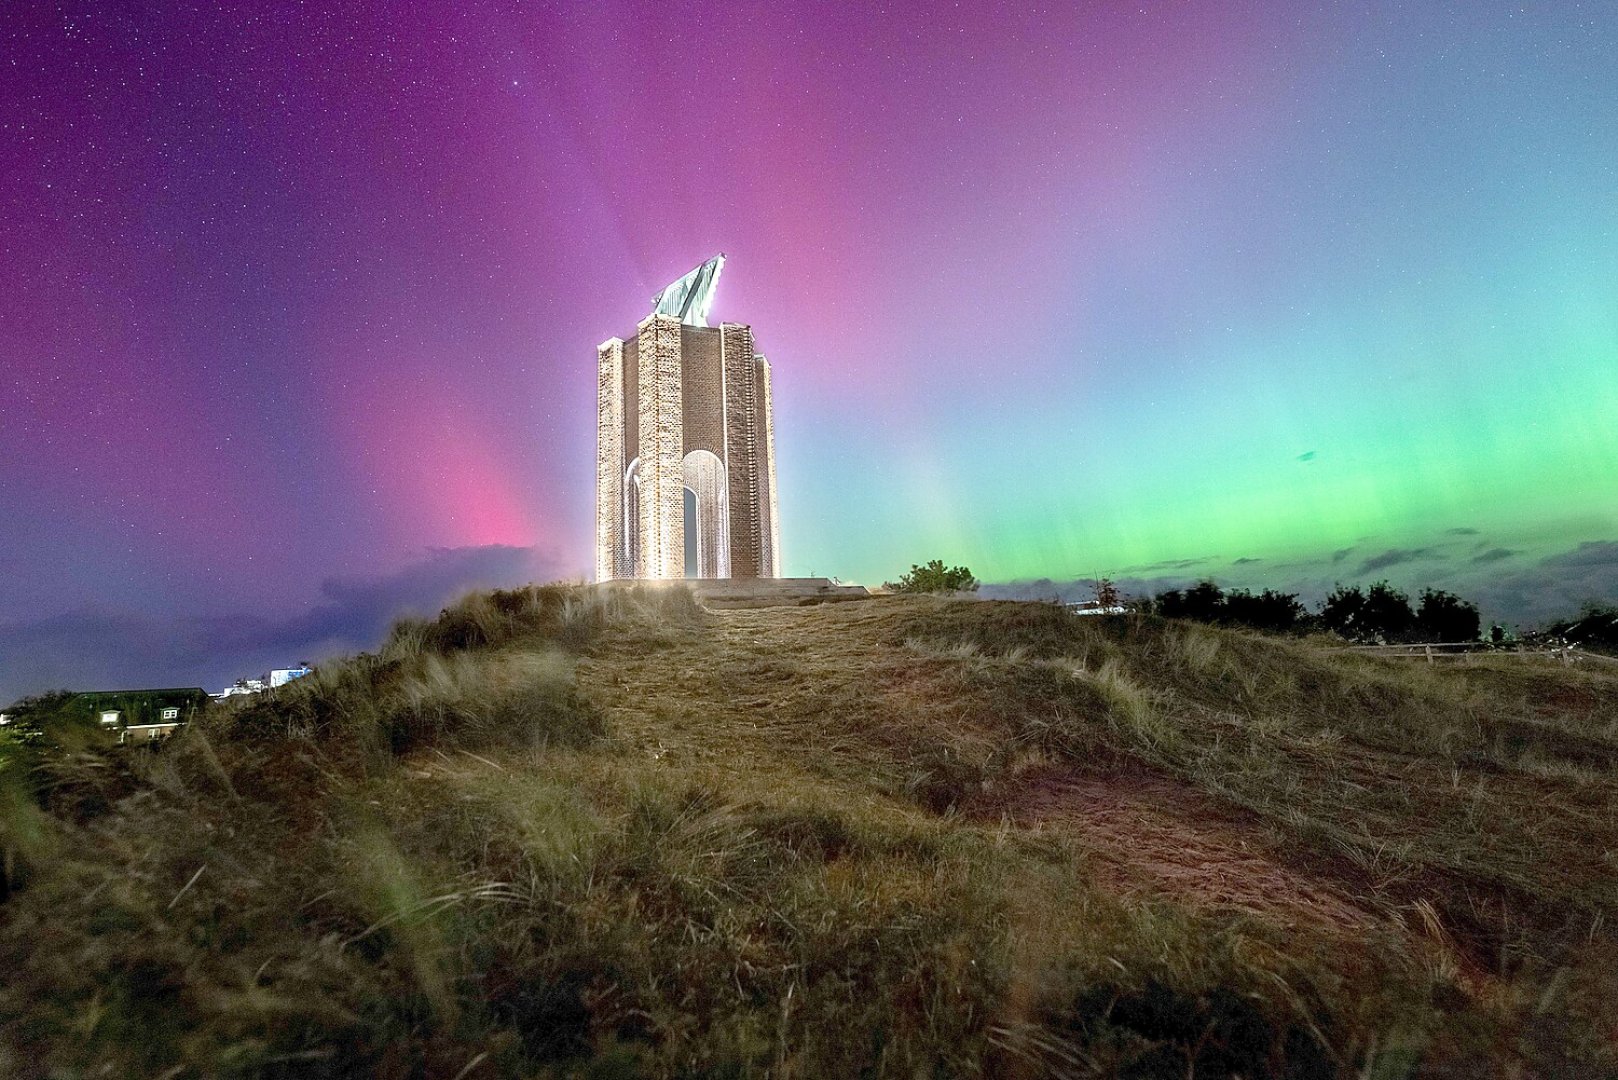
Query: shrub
point(935, 577)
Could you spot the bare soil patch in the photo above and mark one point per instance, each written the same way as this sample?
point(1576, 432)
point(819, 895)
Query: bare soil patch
point(1151, 835)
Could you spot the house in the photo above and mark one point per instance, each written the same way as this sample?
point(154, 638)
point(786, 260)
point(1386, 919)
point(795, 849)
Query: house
point(241, 686)
point(142, 716)
point(282, 676)
point(277, 677)
point(1096, 607)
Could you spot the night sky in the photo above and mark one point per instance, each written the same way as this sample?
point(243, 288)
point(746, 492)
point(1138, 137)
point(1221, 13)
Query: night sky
point(298, 307)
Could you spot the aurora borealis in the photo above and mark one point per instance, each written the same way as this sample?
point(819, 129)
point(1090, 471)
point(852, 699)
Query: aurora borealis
point(298, 309)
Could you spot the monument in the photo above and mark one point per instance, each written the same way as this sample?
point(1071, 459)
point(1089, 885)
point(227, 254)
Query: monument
point(685, 445)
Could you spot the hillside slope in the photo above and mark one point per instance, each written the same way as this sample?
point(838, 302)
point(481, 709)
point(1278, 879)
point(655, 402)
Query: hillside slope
point(556, 832)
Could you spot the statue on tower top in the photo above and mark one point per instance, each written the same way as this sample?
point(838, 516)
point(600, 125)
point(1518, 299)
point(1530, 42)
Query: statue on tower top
point(690, 298)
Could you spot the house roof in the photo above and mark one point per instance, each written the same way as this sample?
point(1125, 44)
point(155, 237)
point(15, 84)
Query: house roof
point(165, 691)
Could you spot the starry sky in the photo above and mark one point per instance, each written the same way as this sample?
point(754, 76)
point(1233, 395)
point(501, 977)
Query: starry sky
point(298, 302)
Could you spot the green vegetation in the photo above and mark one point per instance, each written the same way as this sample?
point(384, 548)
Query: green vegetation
point(935, 577)
point(1378, 614)
point(570, 832)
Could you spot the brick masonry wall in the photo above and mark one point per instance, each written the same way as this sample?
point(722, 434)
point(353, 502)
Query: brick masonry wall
point(662, 490)
point(769, 509)
point(663, 394)
point(702, 377)
point(609, 459)
point(742, 451)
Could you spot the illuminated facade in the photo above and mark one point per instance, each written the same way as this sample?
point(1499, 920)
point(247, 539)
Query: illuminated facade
point(685, 445)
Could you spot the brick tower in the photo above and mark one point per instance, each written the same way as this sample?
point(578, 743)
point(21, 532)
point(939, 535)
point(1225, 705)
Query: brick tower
point(685, 445)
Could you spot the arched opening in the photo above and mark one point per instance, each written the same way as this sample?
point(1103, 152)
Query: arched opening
point(707, 515)
point(693, 531)
point(629, 546)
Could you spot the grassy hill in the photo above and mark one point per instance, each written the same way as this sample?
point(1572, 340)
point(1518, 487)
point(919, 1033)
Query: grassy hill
point(558, 832)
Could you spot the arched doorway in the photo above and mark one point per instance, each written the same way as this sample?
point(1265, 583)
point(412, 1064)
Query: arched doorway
point(629, 546)
point(707, 515)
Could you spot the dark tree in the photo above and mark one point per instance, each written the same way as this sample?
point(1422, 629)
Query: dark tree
point(1277, 612)
point(1343, 612)
point(1270, 610)
point(935, 577)
point(1107, 594)
point(1387, 615)
point(1204, 602)
point(1443, 616)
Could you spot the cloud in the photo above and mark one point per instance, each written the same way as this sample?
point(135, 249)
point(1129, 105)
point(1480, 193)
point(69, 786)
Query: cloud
point(1245, 561)
point(1460, 532)
point(1039, 589)
point(1169, 564)
point(359, 610)
point(99, 649)
point(1503, 584)
point(1078, 588)
point(1589, 553)
point(1307, 456)
point(1555, 587)
point(1393, 557)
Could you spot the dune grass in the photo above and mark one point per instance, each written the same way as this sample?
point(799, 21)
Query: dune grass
point(576, 832)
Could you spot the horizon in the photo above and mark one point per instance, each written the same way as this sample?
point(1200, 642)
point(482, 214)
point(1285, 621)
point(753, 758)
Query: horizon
point(302, 307)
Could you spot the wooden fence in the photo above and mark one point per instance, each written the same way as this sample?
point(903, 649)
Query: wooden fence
point(1433, 652)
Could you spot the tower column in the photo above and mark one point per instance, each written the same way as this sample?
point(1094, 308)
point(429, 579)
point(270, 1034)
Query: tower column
point(610, 526)
point(769, 509)
point(662, 487)
point(742, 457)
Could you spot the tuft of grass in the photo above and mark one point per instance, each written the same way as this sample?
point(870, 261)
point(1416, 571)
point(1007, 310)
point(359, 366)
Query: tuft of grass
point(1131, 712)
point(571, 617)
point(1196, 647)
point(512, 699)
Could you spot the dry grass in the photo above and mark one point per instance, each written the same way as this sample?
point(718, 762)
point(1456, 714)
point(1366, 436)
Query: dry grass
point(582, 832)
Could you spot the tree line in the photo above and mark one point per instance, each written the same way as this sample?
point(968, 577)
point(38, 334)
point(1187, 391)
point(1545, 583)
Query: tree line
point(1380, 614)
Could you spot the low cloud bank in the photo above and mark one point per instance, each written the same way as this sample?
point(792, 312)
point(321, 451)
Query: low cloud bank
point(87, 650)
point(1507, 585)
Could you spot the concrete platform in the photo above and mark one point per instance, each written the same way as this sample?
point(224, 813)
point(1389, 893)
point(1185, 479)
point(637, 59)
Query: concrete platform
point(772, 592)
point(719, 593)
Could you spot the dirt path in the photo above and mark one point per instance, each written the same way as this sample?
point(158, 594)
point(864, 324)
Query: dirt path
point(1150, 835)
point(752, 676)
point(760, 690)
